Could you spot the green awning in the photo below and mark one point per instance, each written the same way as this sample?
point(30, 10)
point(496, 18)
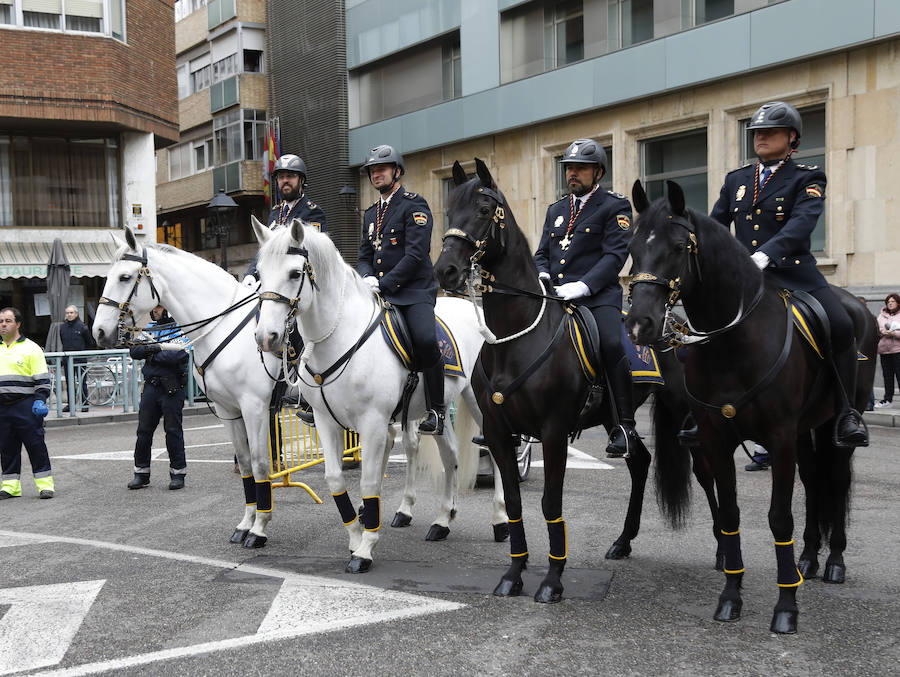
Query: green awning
point(29, 259)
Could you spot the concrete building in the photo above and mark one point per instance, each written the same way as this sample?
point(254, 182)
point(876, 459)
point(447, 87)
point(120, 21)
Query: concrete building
point(667, 86)
point(87, 94)
point(223, 102)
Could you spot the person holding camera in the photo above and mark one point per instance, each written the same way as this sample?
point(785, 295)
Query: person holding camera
point(165, 378)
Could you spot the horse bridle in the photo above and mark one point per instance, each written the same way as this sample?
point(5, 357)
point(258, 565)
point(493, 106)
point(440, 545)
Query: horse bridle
point(125, 333)
point(292, 303)
point(489, 234)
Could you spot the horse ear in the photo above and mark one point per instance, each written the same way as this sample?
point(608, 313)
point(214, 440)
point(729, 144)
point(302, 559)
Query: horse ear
point(262, 233)
point(297, 231)
point(639, 197)
point(484, 174)
point(130, 240)
point(459, 174)
point(676, 197)
point(118, 241)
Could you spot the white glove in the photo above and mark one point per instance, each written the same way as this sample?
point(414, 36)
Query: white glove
point(761, 260)
point(372, 281)
point(572, 290)
point(250, 281)
point(544, 276)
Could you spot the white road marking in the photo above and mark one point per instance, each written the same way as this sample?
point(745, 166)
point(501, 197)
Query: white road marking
point(128, 454)
point(578, 460)
point(41, 623)
point(326, 605)
point(206, 427)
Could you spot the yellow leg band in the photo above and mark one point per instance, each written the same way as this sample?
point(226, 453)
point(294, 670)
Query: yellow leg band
point(790, 542)
point(734, 571)
point(730, 533)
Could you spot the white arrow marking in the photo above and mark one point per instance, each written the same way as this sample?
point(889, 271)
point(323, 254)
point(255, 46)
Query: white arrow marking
point(42, 621)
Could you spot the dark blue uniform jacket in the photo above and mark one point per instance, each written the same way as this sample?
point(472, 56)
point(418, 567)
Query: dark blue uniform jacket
point(303, 209)
point(781, 220)
point(597, 249)
point(400, 260)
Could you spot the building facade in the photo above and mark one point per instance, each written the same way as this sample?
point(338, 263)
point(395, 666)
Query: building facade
point(87, 94)
point(667, 86)
point(223, 103)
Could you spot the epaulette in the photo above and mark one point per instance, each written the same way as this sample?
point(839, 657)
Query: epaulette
point(410, 196)
point(310, 204)
point(618, 195)
point(807, 167)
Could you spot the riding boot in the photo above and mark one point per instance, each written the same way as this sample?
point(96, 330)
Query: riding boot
point(623, 435)
point(849, 428)
point(433, 424)
point(687, 436)
point(305, 412)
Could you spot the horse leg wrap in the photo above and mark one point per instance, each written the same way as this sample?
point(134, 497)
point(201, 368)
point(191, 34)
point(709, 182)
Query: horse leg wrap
point(788, 574)
point(345, 507)
point(371, 513)
point(556, 529)
point(249, 489)
point(517, 545)
point(264, 496)
point(731, 544)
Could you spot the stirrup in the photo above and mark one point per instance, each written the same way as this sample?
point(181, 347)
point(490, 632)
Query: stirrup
point(624, 433)
point(305, 414)
point(427, 427)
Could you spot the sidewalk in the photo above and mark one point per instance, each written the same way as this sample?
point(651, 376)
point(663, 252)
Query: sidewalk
point(115, 415)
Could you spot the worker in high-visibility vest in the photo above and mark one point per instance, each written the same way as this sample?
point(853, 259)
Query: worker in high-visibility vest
point(24, 390)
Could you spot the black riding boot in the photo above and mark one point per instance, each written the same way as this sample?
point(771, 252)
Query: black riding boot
point(849, 428)
point(434, 400)
point(623, 436)
point(305, 412)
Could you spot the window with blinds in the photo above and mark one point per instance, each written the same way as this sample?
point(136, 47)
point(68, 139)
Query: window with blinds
point(105, 17)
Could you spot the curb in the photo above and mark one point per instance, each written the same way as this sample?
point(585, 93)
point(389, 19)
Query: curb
point(119, 417)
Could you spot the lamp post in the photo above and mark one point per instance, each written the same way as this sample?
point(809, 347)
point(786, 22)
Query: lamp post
point(222, 210)
point(348, 194)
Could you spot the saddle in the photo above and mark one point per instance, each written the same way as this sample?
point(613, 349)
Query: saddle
point(396, 334)
point(810, 320)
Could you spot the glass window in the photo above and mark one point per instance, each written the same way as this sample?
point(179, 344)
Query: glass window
point(200, 79)
point(239, 135)
point(253, 61)
point(710, 10)
point(224, 68)
point(254, 134)
point(563, 33)
point(185, 8)
point(637, 21)
point(540, 36)
point(810, 152)
point(452, 70)
point(680, 158)
point(184, 81)
point(84, 15)
point(202, 155)
point(606, 181)
point(117, 18)
point(6, 12)
point(59, 182)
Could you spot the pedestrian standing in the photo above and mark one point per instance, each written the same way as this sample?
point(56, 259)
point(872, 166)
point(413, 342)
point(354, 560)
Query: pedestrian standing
point(24, 391)
point(76, 337)
point(165, 377)
point(889, 347)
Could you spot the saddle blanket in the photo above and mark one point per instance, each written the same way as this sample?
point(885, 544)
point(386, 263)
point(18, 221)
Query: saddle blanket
point(641, 359)
point(802, 324)
point(395, 334)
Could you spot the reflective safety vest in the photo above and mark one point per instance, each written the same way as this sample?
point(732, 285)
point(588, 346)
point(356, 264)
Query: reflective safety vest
point(23, 371)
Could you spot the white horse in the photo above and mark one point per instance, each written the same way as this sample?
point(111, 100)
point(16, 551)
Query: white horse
point(192, 290)
point(353, 378)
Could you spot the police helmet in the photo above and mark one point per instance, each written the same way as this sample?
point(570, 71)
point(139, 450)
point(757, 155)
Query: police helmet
point(778, 114)
point(290, 163)
point(585, 151)
point(382, 155)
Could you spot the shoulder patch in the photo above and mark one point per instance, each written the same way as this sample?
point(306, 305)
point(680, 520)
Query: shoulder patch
point(410, 196)
point(623, 221)
point(808, 167)
point(618, 195)
point(421, 218)
point(814, 190)
point(310, 204)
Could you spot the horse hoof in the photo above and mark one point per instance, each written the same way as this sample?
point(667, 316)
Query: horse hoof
point(508, 588)
point(729, 610)
point(618, 550)
point(548, 594)
point(437, 533)
point(501, 532)
point(720, 561)
point(254, 541)
point(808, 568)
point(401, 520)
point(358, 565)
point(239, 535)
point(784, 622)
point(835, 572)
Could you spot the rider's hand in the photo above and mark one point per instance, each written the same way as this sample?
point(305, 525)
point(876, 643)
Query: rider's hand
point(372, 281)
point(39, 408)
point(572, 290)
point(250, 281)
point(544, 276)
point(761, 260)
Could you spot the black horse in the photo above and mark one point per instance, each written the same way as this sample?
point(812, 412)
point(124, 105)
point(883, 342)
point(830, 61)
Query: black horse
point(547, 403)
point(753, 377)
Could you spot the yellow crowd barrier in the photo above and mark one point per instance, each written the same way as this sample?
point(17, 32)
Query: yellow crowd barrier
point(297, 448)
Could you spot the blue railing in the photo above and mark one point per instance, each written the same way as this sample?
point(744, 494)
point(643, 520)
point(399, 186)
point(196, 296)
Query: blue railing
point(102, 378)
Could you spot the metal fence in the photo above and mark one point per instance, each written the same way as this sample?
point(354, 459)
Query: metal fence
point(102, 378)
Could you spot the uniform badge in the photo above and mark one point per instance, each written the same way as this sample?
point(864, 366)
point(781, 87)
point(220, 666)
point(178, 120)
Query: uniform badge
point(393, 240)
point(421, 218)
point(814, 190)
point(316, 225)
point(623, 221)
point(558, 222)
point(371, 229)
point(739, 195)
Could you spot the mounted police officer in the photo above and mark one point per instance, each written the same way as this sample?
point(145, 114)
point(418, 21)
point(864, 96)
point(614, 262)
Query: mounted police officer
point(394, 260)
point(583, 247)
point(775, 204)
point(165, 376)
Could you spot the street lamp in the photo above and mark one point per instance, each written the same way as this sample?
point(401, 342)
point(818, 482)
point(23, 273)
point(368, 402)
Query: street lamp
point(347, 194)
point(222, 210)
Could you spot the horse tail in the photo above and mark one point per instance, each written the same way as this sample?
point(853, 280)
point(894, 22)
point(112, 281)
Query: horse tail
point(673, 462)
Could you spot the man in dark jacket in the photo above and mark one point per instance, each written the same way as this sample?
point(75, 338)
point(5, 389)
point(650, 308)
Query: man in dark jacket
point(165, 376)
point(75, 337)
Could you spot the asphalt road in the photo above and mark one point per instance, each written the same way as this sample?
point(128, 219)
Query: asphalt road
point(102, 579)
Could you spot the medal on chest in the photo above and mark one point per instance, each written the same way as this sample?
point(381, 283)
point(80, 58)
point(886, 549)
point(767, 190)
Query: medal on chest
point(565, 242)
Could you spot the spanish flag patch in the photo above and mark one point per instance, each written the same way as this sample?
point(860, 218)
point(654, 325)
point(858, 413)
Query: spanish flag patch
point(623, 221)
point(421, 218)
point(814, 190)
